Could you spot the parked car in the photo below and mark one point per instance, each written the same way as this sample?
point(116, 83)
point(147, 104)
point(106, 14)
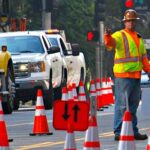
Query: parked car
point(145, 81)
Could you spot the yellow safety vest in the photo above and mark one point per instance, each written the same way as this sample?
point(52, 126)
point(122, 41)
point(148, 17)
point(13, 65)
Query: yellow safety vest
point(128, 57)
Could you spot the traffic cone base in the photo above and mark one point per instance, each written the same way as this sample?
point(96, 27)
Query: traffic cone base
point(128, 144)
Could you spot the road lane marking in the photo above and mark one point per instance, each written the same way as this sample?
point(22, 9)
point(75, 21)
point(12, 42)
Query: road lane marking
point(49, 121)
point(50, 144)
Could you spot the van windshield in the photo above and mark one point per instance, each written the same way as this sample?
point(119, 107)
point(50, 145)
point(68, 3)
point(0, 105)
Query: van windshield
point(22, 44)
point(53, 41)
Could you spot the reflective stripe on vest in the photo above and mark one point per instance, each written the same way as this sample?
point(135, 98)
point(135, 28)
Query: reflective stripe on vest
point(127, 53)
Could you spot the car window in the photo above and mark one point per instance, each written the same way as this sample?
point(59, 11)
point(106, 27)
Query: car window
point(22, 44)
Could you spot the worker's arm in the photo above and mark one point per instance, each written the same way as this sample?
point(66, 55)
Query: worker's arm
point(109, 41)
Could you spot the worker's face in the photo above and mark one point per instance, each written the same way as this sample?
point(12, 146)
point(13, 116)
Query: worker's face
point(130, 24)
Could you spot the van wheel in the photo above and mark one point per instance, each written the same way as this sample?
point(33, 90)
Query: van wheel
point(9, 86)
point(16, 104)
point(48, 97)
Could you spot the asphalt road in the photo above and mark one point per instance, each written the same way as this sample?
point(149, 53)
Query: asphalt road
point(20, 124)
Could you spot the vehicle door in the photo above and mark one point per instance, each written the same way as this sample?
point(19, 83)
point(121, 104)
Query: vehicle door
point(55, 61)
point(73, 64)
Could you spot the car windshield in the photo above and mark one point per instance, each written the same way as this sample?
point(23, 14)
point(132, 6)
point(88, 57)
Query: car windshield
point(22, 44)
point(53, 41)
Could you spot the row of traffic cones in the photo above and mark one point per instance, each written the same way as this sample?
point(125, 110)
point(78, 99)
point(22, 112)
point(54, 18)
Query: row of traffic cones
point(91, 142)
point(104, 92)
point(91, 136)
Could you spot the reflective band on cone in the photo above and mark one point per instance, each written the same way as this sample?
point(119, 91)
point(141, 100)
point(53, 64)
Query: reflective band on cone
point(81, 95)
point(64, 94)
point(75, 96)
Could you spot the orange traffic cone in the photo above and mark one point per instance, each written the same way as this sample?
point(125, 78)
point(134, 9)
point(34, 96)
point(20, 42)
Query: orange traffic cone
point(99, 94)
point(70, 93)
point(126, 141)
point(75, 96)
point(110, 91)
point(40, 120)
point(91, 138)
point(4, 143)
point(81, 95)
point(148, 145)
point(64, 94)
point(92, 89)
point(70, 139)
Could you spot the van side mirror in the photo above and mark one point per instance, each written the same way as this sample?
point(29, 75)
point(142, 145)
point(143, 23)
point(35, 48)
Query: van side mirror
point(53, 49)
point(75, 49)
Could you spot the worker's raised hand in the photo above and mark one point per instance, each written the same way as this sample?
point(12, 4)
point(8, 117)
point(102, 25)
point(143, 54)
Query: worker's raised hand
point(108, 31)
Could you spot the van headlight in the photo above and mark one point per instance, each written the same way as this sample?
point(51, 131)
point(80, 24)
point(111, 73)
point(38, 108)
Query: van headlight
point(37, 66)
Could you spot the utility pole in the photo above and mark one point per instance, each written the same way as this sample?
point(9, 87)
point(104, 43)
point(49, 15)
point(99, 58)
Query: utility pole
point(99, 23)
point(101, 29)
point(46, 17)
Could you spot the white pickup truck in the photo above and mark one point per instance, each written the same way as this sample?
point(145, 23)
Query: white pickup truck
point(37, 64)
point(72, 58)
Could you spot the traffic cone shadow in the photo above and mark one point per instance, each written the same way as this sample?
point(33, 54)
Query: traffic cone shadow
point(4, 142)
point(91, 138)
point(40, 126)
point(70, 139)
point(126, 141)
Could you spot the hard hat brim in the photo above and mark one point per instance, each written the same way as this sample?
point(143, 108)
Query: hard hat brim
point(130, 19)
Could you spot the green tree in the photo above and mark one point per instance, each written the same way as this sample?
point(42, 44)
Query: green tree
point(76, 18)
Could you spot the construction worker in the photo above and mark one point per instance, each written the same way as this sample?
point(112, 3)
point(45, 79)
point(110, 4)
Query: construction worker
point(129, 60)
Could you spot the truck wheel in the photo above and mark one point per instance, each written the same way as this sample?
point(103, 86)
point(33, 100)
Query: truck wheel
point(8, 99)
point(48, 97)
point(16, 104)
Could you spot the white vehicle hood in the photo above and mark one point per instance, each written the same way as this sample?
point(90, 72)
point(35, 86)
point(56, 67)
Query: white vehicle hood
point(25, 57)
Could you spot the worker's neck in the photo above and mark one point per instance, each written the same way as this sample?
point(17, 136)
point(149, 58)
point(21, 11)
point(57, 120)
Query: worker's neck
point(129, 30)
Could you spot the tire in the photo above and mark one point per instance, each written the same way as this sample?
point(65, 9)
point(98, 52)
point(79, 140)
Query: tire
point(16, 104)
point(8, 99)
point(48, 96)
point(58, 90)
point(81, 79)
